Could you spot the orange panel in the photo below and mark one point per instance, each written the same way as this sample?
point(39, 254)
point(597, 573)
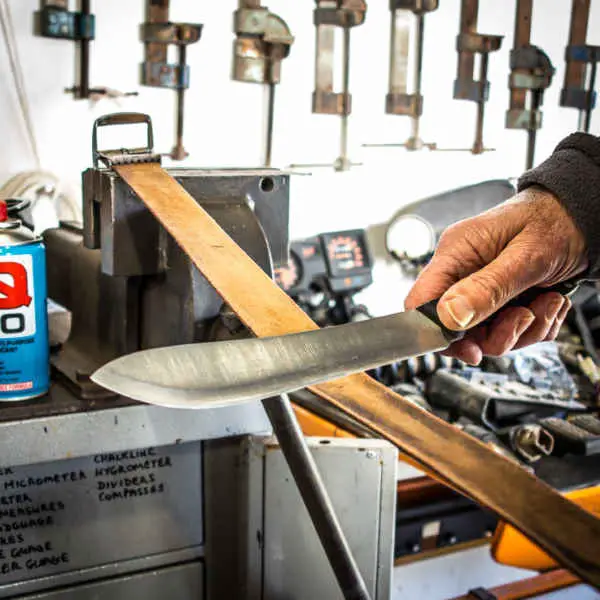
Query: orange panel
point(510, 547)
point(315, 426)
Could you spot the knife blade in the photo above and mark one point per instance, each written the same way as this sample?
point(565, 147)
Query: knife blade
point(213, 374)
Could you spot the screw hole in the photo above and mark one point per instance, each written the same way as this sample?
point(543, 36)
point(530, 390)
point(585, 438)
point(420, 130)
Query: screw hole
point(325, 442)
point(267, 184)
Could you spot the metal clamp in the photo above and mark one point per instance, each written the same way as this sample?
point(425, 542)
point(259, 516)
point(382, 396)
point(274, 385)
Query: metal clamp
point(468, 44)
point(398, 101)
point(580, 58)
point(531, 73)
point(157, 34)
point(262, 41)
point(124, 155)
point(54, 20)
point(327, 16)
point(163, 74)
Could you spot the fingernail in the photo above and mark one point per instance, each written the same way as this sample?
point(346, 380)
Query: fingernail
point(460, 310)
point(553, 309)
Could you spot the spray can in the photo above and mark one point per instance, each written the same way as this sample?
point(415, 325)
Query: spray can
point(24, 351)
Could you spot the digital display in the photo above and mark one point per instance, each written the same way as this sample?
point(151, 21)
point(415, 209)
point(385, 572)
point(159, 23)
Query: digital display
point(346, 253)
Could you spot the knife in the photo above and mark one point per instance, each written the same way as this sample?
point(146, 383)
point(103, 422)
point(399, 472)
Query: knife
point(214, 374)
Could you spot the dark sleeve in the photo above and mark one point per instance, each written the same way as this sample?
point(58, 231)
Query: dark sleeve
point(572, 174)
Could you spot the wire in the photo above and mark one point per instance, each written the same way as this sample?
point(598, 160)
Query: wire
point(6, 24)
point(33, 185)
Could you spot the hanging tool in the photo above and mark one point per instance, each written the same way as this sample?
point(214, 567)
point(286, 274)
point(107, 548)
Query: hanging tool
point(55, 20)
point(470, 43)
point(262, 41)
point(397, 100)
point(327, 16)
point(582, 62)
point(157, 34)
point(565, 531)
point(531, 73)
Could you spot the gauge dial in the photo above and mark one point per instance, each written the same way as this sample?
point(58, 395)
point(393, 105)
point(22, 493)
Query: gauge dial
point(289, 275)
point(410, 237)
point(345, 254)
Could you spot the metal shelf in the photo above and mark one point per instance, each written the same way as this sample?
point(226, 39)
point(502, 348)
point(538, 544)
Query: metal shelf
point(61, 426)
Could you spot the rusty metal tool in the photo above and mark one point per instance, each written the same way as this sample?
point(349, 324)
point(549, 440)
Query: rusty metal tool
point(531, 73)
point(55, 20)
point(328, 16)
point(567, 532)
point(158, 33)
point(470, 44)
point(262, 41)
point(582, 63)
point(397, 101)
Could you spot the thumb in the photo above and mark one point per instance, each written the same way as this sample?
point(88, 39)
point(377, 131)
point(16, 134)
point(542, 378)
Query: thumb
point(481, 294)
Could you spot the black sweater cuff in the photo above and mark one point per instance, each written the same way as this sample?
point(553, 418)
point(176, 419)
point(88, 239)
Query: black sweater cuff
point(572, 174)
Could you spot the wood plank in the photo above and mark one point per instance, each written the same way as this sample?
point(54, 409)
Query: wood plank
point(568, 533)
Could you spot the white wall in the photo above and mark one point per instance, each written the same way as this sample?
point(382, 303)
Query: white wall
point(224, 118)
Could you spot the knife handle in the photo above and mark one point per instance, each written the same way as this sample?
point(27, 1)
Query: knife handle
point(565, 288)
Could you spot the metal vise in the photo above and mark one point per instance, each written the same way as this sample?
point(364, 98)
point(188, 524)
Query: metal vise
point(125, 281)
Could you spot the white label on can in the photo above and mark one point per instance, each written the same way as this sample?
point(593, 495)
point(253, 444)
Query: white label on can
point(17, 302)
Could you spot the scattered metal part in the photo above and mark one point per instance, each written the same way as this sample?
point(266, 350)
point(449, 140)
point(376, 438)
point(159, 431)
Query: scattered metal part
point(469, 43)
point(531, 74)
point(398, 101)
point(316, 499)
point(581, 66)
point(263, 40)
point(329, 15)
point(492, 399)
point(571, 438)
point(531, 441)
point(589, 368)
point(157, 34)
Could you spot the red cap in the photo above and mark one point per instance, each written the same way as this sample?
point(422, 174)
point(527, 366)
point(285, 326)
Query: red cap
point(3, 211)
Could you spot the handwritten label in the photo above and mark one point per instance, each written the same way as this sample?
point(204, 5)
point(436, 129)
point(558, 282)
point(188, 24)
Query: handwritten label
point(69, 515)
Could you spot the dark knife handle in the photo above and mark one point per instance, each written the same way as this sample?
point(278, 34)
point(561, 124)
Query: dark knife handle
point(566, 288)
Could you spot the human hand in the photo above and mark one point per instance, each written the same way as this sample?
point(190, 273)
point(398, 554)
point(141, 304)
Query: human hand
point(483, 262)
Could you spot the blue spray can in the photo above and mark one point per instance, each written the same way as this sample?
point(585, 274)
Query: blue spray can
point(24, 350)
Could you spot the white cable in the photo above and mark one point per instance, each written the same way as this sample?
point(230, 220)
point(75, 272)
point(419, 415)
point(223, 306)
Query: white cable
point(51, 200)
point(15, 66)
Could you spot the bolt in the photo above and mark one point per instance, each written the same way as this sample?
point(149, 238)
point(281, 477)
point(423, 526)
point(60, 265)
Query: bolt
point(371, 454)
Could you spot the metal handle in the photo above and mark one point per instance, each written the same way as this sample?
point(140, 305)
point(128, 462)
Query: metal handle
point(124, 118)
point(565, 288)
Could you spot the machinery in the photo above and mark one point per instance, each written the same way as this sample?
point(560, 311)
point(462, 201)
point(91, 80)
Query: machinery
point(263, 40)
point(323, 274)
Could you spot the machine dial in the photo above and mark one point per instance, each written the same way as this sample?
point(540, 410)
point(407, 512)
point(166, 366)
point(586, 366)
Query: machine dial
point(345, 254)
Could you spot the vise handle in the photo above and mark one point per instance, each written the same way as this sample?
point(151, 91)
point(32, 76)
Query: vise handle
point(134, 154)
